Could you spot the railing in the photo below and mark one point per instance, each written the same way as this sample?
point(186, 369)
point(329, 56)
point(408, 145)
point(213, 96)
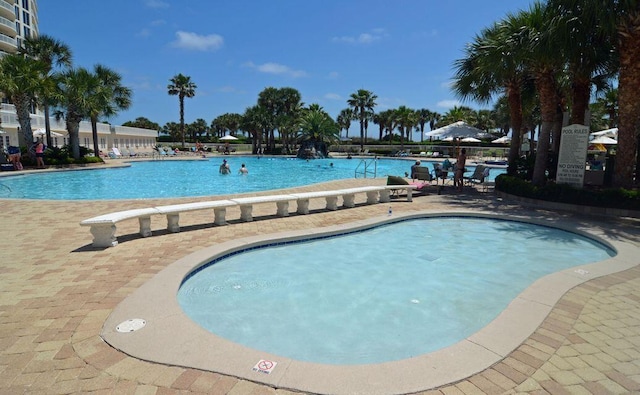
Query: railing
point(5, 4)
point(364, 168)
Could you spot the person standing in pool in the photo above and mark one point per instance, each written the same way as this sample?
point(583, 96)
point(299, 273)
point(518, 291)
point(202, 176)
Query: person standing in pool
point(243, 170)
point(224, 167)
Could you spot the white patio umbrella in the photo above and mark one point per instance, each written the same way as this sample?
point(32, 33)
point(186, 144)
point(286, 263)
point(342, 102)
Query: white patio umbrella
point(502, 140)
point(470, 140)
point(457, 129)
point(228, 138)
point(42, 131)
point(613, 133)
point(450, 138)
point(604, 140)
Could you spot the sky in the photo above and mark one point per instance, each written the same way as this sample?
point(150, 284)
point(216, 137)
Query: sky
point(403, 51)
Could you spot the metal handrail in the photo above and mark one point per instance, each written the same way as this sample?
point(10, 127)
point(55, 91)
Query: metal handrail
point(366, 164)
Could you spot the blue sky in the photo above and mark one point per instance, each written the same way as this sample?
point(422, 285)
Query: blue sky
point(402, 51)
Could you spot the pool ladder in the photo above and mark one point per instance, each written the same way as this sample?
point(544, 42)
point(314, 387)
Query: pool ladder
point(364, 168)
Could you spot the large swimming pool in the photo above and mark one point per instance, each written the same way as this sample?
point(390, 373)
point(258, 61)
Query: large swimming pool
point(385, 294)
point(167, 179)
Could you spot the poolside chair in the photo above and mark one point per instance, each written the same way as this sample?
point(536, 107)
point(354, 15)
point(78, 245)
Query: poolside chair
point(478, 176)
point(115, 153)
point(421, 187)
point(439, 173)
point(170, 152)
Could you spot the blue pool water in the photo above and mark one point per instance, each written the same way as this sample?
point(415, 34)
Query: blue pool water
point(384, 294)
point(164, 179)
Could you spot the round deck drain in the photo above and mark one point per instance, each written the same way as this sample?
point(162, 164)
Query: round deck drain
point(131, 325)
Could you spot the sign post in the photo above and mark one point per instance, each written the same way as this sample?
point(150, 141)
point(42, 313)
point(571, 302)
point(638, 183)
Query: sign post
point(572, 157)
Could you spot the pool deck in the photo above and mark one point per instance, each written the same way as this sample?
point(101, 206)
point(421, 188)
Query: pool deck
point(58, 291)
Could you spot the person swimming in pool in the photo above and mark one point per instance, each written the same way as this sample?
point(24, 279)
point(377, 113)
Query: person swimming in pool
point(243, 170)
point(224, 167)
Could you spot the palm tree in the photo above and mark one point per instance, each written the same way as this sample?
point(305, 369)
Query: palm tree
point(362, 102)
point(406, 119)
point(619, 21)
point(493, 65)
point(424, 116)
point(107, 98)
point(541, 56)
point(52, 53)
point(75, 95)
point(21, 80)
point(257, 121)
point(317, 130)
point(182, 86)
point(344, 120)
point(609, 103)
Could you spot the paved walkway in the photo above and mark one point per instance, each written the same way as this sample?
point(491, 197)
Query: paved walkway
point(57, 292)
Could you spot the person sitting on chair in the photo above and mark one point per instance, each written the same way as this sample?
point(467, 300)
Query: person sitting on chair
point(414, 169)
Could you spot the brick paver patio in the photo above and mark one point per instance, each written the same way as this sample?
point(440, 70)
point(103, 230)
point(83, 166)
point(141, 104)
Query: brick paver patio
point(57, 292)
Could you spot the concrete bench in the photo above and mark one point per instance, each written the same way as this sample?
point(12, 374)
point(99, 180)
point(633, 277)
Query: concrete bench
point(246, 205)
point(103, 227)
point(173, 212)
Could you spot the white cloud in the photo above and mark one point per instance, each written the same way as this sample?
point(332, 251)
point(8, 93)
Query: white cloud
point(333, 96)
point(156, 4)
point(276, 68)
point(362, 38)
point(196, 42)
point(448, 103)
point(333, 75)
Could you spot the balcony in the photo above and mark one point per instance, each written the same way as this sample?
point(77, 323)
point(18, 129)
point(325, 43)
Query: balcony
point(6, 9)
point(7, 27)
point(8, 44)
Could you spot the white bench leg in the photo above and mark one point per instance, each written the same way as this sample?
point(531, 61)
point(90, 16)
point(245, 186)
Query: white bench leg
point(145, 226)
point(409, 195)
point(219, 216)
point(332, 203)
point(246, 213)
point(372, 197)
point(303, 206)
point(104, 235)
point(349, 200)
point(173, 223)
point(283, 208)
point(385, 196)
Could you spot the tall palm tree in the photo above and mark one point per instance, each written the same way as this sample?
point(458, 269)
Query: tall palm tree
point(182, 86)
point(107, 98)
point(406, 119)
point(362, 102)
point(424, 116)
point(52, 53)
point(609, 102)
point(619, 21)
point(492, 65)
point(21, 80)
point(344, 120)
point(75, 95)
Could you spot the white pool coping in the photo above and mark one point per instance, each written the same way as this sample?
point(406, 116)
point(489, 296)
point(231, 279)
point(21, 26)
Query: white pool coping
point(170, 337)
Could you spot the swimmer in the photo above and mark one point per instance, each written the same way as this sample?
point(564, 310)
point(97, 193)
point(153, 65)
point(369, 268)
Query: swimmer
point(243, 170)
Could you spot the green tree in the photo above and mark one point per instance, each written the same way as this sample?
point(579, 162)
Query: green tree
point(493, 65)
point(52, 53)
point(406, 119)
point(142, 123)
point(182, 86)
point(424, 116)
point(344, 120)
point(106, 98)
point(257, 121)
point(21, 80)
point(75, 95)
point(317, 130)
point(362, 102)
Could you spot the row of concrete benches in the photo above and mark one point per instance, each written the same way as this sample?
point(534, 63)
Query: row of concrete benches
point(103, 227)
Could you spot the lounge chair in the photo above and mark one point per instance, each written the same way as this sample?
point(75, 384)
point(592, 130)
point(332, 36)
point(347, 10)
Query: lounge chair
point(115, 153)
point(395, 180)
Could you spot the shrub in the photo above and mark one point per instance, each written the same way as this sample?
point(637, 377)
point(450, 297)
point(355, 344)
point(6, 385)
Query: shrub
point(562, 193)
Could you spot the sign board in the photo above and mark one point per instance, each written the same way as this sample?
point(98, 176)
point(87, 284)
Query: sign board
point(572, 157)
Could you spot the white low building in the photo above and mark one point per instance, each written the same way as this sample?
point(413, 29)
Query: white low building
point(109, 136)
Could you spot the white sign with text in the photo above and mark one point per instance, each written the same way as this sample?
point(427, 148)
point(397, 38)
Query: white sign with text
point(572, 157)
